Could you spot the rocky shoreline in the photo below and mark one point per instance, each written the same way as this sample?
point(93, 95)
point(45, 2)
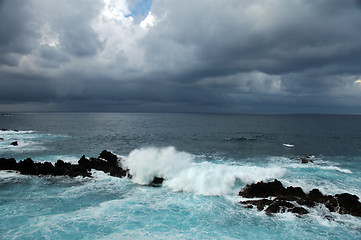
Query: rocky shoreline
point(275, 198)
point(271, 197)
point(106, 162)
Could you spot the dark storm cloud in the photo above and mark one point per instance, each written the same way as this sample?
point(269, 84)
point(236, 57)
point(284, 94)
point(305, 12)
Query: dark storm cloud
point(222, 56)
point(17, 35)
point(270, 36)
point(71, 22)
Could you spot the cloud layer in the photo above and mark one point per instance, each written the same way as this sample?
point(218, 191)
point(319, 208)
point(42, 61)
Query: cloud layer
point(165, 55)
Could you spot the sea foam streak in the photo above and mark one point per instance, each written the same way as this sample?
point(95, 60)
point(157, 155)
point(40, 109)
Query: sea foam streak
point(182, 173)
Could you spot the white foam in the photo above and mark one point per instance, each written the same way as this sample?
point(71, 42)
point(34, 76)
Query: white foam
point(317, 163)
point(16, 132)
point(144, 164)
point(288, 145)
point(26, 141)
point(182, 173)
point(343, 170)
point(54, 158)
point(4, 174)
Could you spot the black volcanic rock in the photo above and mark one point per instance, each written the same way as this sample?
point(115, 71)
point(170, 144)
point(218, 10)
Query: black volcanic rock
point(107, 162)
point(263, 190)
point(279, 206)
point(8, 164)
point(157, 182)
point(285, 199)
point(299, 210)
point(84, 162)
point(295, 192)
point(14, 143)
point(260, 204)
point(111, 158)
point(316, 196)
point(27, 166)
point(45, 168)
point(348, 204)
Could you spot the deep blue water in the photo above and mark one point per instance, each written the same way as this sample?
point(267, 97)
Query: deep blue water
point(205, 158)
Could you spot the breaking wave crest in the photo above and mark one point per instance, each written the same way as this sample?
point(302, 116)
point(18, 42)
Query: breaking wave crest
point(182, 172)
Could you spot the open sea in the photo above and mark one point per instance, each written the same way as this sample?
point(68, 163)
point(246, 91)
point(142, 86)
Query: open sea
point(205, 160)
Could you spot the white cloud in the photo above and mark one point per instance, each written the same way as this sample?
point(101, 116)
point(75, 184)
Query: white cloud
point(149, 21)
point(49, 36)
point(116, 10)
point(358, 82)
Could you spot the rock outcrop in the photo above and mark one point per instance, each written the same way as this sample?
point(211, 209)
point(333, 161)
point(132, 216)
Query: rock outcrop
point(292, 199)
point(106, 162)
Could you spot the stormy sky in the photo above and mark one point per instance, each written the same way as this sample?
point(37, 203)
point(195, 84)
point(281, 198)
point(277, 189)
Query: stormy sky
point(234, 56)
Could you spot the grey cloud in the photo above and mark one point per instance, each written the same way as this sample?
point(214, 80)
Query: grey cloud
point(17, 35)
point(71, 21)
point(225, 56)
point(51, 57)
point(286, 36)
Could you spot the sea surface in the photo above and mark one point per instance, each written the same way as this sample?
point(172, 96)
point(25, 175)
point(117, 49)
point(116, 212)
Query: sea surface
point(206, 159)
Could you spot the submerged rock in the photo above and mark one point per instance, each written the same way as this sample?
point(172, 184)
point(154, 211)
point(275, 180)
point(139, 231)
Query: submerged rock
point(307, 159)
point(285, 199)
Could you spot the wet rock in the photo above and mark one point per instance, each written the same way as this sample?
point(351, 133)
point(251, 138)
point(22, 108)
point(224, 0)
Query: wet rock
point(107, 162)
point(307, 159)
point(8, 164)
point(67, 169)
point(14, 143)
point(45, 168)
point(293, 193)
point(157, 182)
point(279, 206)
point(285, 199)
point(259, 203)
point(111, 158)
point(84, 162)
point(316, 196)
point(27, 166)
point(263, 190)
point(348, 204)
point(299, 210)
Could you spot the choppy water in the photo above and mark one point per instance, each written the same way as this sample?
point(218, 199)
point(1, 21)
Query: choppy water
point(205, 159)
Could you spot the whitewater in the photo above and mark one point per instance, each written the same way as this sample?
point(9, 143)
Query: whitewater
point(203, 168)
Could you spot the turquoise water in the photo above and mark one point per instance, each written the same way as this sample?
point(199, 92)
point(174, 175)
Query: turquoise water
point(205, 160)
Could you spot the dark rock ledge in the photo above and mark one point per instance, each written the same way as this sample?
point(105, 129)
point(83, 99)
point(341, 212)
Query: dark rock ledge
point(293, 199)
point(106, 162)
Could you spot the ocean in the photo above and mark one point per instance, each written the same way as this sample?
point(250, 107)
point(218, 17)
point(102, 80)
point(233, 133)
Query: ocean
point(205, 159)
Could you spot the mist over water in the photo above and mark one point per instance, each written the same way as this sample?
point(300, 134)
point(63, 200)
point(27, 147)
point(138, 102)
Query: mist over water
point(204, 159)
